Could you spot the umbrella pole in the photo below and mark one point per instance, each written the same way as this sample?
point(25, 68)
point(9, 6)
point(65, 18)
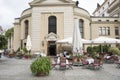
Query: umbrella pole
point(29, 51)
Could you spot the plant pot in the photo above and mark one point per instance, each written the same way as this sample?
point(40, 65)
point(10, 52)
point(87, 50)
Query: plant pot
point(75, 59)
point(41, 74)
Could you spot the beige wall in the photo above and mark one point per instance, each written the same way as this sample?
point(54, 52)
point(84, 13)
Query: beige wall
point(16, 36)
point(40, 24)
point(103, 23)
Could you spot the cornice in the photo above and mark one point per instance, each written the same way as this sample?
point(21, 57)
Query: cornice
point(16, 23)
point(66, 4)
point(39, 3)
point(104, 22)
point(82, 15)
point(25, 16)
point(104, 17)
point(25, 10)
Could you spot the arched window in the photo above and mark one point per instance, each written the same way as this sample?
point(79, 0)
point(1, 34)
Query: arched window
point(81, 27)
point(26, 28)
point(52, 27)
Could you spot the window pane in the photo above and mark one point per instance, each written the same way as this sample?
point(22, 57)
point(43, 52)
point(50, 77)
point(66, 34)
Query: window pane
point(116, 31)
point(52, 24)
point(81, 27)
point(103, 31)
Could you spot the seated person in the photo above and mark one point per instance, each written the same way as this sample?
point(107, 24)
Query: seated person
point(107, 56)
point(90, 60)
point(67, 55)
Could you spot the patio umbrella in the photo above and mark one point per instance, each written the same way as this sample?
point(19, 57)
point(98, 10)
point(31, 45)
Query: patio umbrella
point(105, 40)
point(77, 41)
point(28, 44)
point(69, 41)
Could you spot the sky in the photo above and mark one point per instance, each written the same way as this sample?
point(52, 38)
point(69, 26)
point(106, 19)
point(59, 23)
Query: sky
point(11, 9)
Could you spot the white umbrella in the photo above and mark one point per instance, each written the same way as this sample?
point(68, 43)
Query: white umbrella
point(28, 44)
point(69, 41)
point(77, 41)
point(103, 40)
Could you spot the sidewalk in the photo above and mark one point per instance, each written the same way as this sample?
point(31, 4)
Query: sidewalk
point(19, 69)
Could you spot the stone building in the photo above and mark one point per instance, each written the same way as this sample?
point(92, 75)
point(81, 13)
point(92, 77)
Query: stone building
point(47, 21)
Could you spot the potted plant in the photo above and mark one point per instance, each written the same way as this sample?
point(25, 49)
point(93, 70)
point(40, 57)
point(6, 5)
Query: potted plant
point(27, 56)
point(41, 66)
point(19, 55)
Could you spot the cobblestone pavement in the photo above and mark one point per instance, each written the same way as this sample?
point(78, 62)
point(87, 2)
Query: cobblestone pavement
point(19, 69)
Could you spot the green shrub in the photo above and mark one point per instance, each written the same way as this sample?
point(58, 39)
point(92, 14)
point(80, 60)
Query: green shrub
point(114, 50)
point(41, 65)
point(25, 50)
point(89, 49)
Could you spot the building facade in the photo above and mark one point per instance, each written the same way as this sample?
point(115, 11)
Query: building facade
point(107, 17)
point(108, 8)
point(47, 21)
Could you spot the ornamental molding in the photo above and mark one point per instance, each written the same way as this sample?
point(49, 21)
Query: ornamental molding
point(51, 37)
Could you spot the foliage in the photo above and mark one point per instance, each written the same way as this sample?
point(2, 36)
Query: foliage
point(105, 48)
point(99, 48)
point(89, 49)
point(41, 65)
point(71, 55)
point(80, 56)
point(96, 48)
point(9, 32)
point(3, 42)
point(19, 54)
point(114, 50)
point(25, 50)
point(94, 54)
point(18, 50)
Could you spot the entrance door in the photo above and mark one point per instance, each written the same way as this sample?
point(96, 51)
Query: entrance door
point(51, 48)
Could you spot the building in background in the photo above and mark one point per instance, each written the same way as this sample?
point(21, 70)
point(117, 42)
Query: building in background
point(106, 19)
point(47, 21)
point(109, 8)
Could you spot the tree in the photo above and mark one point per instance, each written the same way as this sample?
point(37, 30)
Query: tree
point(9, 32)
point(3, 42)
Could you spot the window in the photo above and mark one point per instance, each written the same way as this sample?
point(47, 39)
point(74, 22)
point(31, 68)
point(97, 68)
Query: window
point(107, 20)
point(100, 30)
point(115, 20)
point(26, 28)
point(103, 31)
point(81, 27)
point(117, 38)
point(99, 20)
point(52, 24)
point(116, 30)
point(103, 15)
point(108, 30)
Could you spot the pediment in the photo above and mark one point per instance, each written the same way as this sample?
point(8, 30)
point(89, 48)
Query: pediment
point(51, 37)
point(42, 2)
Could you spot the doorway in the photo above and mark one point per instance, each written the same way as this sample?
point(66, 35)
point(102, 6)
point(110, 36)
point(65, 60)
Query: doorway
point(51, 48)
